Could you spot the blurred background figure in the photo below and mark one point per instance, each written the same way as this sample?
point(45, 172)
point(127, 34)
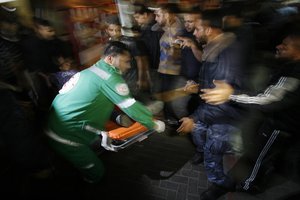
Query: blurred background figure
point(191, 54)
point(169, 78)
point(42, 50)
point(145, 19)
point(21, 142)
point(67, 69)
point(113, 27)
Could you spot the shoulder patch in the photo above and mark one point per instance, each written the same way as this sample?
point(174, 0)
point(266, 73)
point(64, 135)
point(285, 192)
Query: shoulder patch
point(70, 84)
point(122, 89)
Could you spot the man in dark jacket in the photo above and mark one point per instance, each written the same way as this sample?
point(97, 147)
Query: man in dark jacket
point(279, 130)
point(214, 127)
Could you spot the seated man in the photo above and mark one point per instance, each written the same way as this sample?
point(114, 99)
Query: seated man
point(88, 98)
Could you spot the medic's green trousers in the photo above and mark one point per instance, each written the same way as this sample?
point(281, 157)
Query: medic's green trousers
point(81, 156)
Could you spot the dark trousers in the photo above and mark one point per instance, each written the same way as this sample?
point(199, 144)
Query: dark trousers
point(253, 166)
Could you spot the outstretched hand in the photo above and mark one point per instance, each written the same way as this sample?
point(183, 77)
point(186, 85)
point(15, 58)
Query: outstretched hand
point(191, 87)
point(186, 42)
point(218, 95)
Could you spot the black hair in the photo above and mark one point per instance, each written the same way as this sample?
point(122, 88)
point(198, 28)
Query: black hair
point(290, 28)
point(141, 9)
point(214, 18)
point(294, 33)
point(114, 48)
point(195, 10)
point(171, 8)
point(234, 8)
point(41, 22)
point(113, 19)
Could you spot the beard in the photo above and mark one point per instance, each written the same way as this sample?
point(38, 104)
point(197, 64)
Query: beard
point(202, 40)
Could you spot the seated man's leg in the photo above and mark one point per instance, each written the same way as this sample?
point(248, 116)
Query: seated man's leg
point(217, 144)
point(199, 137)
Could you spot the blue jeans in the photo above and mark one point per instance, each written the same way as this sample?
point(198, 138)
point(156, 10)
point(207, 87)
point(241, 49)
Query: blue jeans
point(215, 141)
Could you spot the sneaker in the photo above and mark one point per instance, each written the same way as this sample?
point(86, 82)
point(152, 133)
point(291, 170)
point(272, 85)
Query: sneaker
point(214, 192)
point(197, 159)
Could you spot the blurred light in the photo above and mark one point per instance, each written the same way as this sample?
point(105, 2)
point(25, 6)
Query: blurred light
point(4, 1)
point(8, 9)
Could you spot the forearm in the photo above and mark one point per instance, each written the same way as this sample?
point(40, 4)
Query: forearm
point(141, 114)
point(197, 52)
point(275, 97)
point(143, 67)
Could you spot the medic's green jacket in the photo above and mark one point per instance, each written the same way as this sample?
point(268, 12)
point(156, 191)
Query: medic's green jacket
point(88, 98)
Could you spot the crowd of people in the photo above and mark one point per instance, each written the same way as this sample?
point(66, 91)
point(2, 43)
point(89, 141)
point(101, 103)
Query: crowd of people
point(209, 70)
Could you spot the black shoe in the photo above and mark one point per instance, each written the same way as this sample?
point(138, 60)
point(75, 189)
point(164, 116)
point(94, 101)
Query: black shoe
point(214, 192)
point(197, 159)
point(172, 123)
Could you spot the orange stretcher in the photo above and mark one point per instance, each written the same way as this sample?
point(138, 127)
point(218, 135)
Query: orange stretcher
point(117, 138)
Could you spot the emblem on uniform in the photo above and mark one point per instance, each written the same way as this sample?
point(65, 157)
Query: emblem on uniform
point(122, 89)
point(70, 84)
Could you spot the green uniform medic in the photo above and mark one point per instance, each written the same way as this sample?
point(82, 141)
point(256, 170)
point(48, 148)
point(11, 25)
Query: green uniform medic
point(88, 98)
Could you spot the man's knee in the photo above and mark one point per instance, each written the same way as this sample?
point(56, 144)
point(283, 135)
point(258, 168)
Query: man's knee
point(216, 146)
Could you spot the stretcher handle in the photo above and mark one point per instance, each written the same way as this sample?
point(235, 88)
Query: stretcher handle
point(106, 141)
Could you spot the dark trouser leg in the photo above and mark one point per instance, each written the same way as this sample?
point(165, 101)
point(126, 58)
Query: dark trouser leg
point(218, 143)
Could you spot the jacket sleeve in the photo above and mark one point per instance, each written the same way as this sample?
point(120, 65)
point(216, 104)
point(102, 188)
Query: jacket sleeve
point(117, 91)
point(284, 93)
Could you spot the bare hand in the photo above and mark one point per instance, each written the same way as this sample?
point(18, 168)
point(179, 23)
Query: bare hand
point(186, 42)
point(218, 95)
point(187, 125)
point(191, 87)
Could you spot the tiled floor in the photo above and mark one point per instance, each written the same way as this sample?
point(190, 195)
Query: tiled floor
point(155, 169)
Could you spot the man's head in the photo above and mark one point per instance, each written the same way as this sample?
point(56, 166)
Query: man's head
point(189, 21)
point(118, 55)
point(44, 29)
point(166, 14)
point(199, 31)
point(209, 26)
point(290, 47)
point(113, 27)
point(142, 15)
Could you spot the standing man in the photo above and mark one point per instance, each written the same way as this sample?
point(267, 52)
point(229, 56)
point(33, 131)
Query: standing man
point(280, 128)
point(145, 20)
point(137, 77)
point(191, 56)
point(191, 53)
point(88, 98)
point(212, 127)
point(170, 63)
